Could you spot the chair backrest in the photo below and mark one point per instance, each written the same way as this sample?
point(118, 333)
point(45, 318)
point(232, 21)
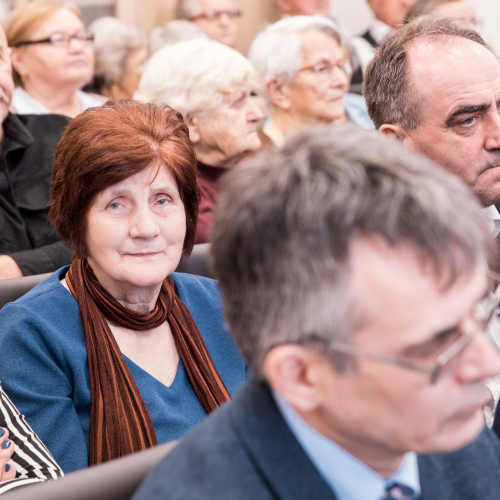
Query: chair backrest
point(197, 263)
point(115, 480)
point(12, 289)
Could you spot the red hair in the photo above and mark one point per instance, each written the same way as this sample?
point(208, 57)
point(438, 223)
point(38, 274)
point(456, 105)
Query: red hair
point(106, 145)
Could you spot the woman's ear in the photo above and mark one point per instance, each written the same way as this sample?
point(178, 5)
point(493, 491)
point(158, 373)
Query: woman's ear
point(17, 58)
point(192, 121)
point(278, 92)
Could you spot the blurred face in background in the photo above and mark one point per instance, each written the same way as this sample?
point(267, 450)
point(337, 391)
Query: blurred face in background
point(54, 65)
point(316, 93)
point(457, 9)
point(219, 19)
point(391, 12)
point(304, 7)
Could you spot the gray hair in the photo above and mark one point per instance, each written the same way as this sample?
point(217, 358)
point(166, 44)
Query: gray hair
point(174, 32)
point(114, 40)
point(391, 96)
point(193, 76)
point(188, 8)
point(277, 50)
point(285, 221)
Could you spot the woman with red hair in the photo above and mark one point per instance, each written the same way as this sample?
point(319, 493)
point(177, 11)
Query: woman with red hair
point(121, 353)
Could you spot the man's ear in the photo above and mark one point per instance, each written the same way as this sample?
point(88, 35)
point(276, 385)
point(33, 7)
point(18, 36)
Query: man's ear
point(396, 132)
point(192, 121)
point(277, 91)
point(292, 371)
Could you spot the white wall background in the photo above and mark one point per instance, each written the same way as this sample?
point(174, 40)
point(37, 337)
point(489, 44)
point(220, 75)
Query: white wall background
point(355, 16)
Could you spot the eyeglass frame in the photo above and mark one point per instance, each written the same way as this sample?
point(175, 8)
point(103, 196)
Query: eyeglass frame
point(443, 359)
point(330, 65)
point(215, 15)
point(86, 37)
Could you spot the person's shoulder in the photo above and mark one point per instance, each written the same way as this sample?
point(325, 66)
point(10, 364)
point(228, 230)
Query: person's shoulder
point(40, 299)
point(470, 472)
point(42, 125)
point(187, 284)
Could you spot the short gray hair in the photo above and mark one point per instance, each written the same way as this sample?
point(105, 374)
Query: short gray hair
point(188, 8)
point(193, 76)
point(391, 96)
point(114, 40)
point(285, 221)
point(277, 50)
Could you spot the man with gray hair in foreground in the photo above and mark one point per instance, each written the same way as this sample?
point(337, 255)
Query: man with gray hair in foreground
point(354, 281)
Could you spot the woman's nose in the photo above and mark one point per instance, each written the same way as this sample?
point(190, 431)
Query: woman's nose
point(143, 223)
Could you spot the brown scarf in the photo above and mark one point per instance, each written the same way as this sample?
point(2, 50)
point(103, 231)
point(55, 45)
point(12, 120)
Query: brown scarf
point(119, 421)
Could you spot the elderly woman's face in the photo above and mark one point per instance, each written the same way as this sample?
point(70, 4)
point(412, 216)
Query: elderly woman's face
point(316, 95)
point(229, 132)
point(135, 231)
point(50, 65)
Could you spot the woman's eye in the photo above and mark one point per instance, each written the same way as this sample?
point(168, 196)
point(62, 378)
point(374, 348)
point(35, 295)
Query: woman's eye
point(162, 202)
point(114, 205)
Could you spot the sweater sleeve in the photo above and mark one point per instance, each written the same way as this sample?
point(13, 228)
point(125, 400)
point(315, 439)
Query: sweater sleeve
point(45, 259)
point(37, 373)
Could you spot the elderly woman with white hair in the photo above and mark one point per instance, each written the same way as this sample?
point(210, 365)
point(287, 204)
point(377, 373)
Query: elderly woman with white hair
point(210, 84)
point(121, 51)
point(305, 72)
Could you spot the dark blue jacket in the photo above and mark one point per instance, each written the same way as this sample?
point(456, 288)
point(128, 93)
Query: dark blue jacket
point(245, 451)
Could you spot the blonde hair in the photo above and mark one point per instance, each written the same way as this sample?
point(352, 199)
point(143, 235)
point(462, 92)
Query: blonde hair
point(23, 20)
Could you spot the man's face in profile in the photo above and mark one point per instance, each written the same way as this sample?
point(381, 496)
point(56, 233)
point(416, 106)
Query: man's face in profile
point(383, 410)
point(458, 85)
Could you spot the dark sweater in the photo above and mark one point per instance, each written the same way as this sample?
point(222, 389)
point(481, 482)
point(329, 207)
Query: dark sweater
point(209, 182)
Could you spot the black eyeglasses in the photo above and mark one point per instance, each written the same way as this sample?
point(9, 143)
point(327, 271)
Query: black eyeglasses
point(60, 39)
point(215, 15)
point(484, 312)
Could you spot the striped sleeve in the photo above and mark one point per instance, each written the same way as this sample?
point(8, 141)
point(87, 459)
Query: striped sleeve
point(33, 459)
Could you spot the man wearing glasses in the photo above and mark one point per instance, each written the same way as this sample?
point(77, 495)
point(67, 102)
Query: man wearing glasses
point(219, 19)
point(358, 293)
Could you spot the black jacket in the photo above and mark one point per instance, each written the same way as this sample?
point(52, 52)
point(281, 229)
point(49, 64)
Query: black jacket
point(26, 160)
point(245, 451)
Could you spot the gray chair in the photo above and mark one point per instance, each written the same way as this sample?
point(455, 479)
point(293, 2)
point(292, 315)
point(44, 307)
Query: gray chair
point(197, 263)
point(115, 480)
point(12, 289)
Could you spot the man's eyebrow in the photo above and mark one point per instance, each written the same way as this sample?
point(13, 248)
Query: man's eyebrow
point(464, 110)
point(438, 337)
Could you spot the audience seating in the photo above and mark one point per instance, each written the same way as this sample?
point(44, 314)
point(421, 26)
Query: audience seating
point(115, 480)
point(12, 289)
point(197, 263)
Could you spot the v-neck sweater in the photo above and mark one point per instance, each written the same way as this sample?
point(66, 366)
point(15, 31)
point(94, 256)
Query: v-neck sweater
point(45, 372)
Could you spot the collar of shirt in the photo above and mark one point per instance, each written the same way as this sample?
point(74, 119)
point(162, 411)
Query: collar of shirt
point(493, 219)
point(349, 478)
point(380, 30)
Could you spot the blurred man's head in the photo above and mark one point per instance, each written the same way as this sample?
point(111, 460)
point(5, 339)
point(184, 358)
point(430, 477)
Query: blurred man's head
point(390, 12)
point(449, 8)
point(304, 7)
point(435, 85)
point(218, 18)
point(350, 271)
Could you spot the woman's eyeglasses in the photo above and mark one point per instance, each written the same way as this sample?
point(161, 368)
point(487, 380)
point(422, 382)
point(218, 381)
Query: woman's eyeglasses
point(60, 39)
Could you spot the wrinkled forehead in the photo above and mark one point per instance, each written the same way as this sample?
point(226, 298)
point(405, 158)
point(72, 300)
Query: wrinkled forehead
point(206, 5)
point(451, 68)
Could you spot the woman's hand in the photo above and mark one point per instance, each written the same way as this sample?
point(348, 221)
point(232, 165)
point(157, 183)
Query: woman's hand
point(7, 466)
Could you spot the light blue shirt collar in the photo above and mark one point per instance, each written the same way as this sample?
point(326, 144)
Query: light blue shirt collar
point(349, 478)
